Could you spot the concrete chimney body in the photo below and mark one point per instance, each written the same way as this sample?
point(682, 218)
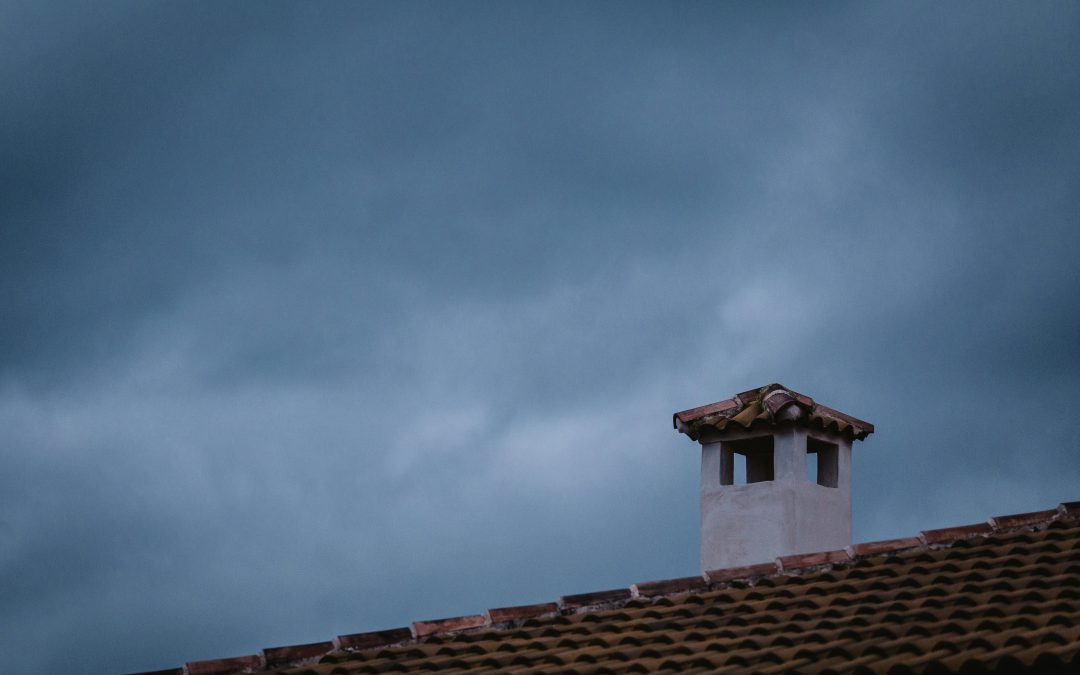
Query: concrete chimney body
point(775, 476)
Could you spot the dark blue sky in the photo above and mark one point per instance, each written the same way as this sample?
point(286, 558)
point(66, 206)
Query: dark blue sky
point(322, 318)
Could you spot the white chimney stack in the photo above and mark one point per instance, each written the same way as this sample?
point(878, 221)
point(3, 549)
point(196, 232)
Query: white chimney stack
point(775, 475)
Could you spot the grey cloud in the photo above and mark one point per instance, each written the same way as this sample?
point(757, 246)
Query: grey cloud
point(324, 318)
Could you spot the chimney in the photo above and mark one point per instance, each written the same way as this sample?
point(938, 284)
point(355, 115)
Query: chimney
point(775, 475)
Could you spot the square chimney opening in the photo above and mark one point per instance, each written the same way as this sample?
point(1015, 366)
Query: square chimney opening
point(746, 461)
point(822, 462)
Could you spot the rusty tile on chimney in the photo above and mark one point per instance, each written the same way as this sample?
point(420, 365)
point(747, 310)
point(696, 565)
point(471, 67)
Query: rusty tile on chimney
point(520, 612)
point(855, 421)
point(235, 664)
point(586, 599)
point(278, 656)
point(376, 638)
point(885, 546)
point(651, 589)
point(451, 625)
point(1022, 519)
point(947, 534)
point(701, 411)
point(805, 400)
point(802, 560)
point(744, 572)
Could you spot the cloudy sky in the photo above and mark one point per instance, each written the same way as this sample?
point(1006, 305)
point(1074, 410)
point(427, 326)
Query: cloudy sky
point(323, 318)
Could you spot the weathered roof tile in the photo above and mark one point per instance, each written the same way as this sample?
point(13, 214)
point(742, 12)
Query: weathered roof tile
point(520, 612)
point(1070, 509)
point(1022, 519)
point(949, 534)
point(744, 572)
point(650, 589)
point(885, 546)
point(451, 625)
point(762, 406)
point(376, 638)
point(804, 560)
point(234, 664)
point(278, 656)
point(598, 597)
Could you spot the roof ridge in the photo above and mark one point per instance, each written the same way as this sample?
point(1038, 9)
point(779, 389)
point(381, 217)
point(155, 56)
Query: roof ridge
point(509, 617)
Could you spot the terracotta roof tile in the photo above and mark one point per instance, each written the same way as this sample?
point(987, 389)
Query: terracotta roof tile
point(745, 572)
point(377, 638)
point(235, 664)
point(1001, 599)
point(279, 656)
point(587, 599)
point(805, 560)
point(1070, 508)
point(948, 534)
point(1022, 519)
point(504, 614)
point(885, 546)
point(762, 406)
point(451, 625)
point(653, 588)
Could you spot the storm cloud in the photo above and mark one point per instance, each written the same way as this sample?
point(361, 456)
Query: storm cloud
point(322, 318)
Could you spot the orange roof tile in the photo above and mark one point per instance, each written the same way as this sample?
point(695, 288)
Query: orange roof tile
point(761, 406)
point(1001, 597)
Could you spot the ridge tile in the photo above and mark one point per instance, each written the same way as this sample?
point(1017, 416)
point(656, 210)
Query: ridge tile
point(804, 560)
point(233, 664)
point(885, 546)
point(649, 589)
point(452, 625)
point(746, 571)
point(375, 638)
point(278, 656)
point(1023, 519)
point(504, 614)
point(580, 600)
point(1071, 509)
point(950, 534)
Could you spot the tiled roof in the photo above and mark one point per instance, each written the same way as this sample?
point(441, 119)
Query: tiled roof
point(1001, 596)
point(763, 406)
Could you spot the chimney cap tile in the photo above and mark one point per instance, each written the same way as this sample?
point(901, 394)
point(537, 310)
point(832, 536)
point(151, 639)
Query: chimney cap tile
point(763, 406)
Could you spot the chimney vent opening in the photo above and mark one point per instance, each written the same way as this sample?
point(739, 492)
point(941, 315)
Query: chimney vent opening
point(746, 461)
point(822, 462)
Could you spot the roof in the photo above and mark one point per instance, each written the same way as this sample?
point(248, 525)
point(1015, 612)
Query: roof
point(764, 406)
point(998, 596)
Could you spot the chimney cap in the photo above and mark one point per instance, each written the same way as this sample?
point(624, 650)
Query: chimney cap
point(767, 406)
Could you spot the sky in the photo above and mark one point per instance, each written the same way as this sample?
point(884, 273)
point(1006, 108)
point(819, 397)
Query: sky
point(319, 318)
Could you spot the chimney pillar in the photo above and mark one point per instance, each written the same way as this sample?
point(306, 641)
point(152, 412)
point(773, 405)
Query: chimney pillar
point(775, 476)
